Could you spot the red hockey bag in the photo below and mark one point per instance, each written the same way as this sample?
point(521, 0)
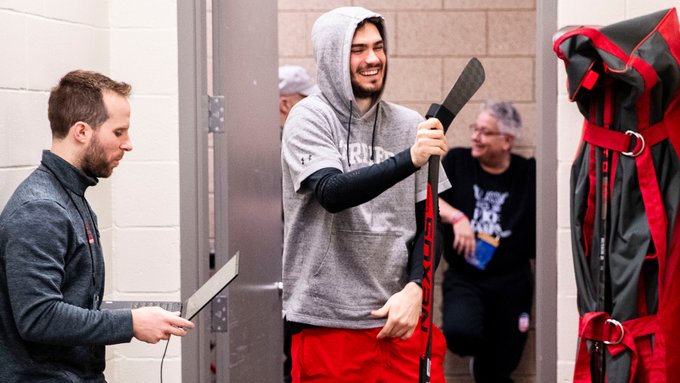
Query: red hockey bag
point(625, 195)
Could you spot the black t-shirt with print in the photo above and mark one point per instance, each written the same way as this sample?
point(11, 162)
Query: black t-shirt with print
point(503, 205)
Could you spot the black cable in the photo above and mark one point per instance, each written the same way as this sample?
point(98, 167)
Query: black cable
point(163, 357)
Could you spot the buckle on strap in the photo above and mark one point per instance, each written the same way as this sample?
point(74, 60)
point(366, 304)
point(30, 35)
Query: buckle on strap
point(621, 142)
point(639, 145)
point(620, 326)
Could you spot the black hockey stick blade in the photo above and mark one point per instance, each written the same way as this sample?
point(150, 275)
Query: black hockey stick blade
point(470, 80)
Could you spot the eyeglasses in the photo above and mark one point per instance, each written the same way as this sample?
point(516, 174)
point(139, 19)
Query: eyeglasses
point(474, 129)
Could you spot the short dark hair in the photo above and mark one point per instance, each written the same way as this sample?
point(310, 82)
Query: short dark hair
point(79, 97)
point(378, 22)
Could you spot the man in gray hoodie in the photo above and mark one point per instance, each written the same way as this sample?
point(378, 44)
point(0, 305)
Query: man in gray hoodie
point(354, 185)
point(51, 262)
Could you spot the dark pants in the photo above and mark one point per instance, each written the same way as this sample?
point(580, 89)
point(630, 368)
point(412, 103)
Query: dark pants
point(482, 319)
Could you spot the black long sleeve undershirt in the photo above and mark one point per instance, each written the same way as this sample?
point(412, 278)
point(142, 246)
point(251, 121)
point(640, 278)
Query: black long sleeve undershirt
point(337, 191)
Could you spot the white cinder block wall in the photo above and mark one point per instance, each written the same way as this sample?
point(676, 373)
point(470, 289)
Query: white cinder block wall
point(579, 12)
point(145, 194)
point(138, 207)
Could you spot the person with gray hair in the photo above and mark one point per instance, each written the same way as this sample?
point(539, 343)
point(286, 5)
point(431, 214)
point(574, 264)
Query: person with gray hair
point(508, 118)
point(489, 236)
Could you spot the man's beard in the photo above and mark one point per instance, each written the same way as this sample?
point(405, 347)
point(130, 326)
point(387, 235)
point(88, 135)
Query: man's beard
point(363, 92)
point(94, 162)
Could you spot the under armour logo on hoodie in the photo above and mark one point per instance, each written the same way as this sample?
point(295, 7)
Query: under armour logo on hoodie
point(302, 160)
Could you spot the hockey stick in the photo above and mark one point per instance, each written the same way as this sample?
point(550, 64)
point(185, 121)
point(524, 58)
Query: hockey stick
point(598, 360)
point(467, 85)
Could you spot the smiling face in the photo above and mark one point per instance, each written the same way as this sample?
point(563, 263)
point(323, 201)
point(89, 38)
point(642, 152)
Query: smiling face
point(367, 61)
point(111, 140)
point(489, 145)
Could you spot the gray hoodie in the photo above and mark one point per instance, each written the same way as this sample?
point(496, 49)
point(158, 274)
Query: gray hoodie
point(339, 267)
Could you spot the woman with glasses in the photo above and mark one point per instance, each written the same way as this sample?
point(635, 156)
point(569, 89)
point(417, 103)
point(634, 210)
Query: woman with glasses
point(489, 240)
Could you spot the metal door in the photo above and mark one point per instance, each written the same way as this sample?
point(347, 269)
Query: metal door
point(247, 191)
point(248, 188)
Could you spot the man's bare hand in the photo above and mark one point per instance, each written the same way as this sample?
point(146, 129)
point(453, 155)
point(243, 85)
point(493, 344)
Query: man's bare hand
point(153, 324)
point(430, 141)
point(402, 311)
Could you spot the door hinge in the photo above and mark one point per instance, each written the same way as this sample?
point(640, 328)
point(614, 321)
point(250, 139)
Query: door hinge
point(216, 114)
point(218, 318)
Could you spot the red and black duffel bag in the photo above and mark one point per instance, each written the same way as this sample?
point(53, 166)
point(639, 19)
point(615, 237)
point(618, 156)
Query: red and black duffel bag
point(625, 196)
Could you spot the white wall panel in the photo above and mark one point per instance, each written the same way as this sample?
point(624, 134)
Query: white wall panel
point(147, 261)
point(24, 129)
point(56, 47)
point(587, 12)
point(153, 128)
point(90, 12)
point(36, 7)
point(146, 194)
point(143, 14)
point(147, 59)
point(13, 64)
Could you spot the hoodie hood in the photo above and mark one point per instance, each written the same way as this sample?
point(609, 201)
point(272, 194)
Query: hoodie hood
point(332, 36)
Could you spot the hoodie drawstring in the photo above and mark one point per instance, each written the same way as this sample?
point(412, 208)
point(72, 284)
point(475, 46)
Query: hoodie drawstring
point(375, 122)
point(349, 127)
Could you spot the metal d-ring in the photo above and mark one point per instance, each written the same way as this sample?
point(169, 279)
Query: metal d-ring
point(640, 139)
point(620, 326)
